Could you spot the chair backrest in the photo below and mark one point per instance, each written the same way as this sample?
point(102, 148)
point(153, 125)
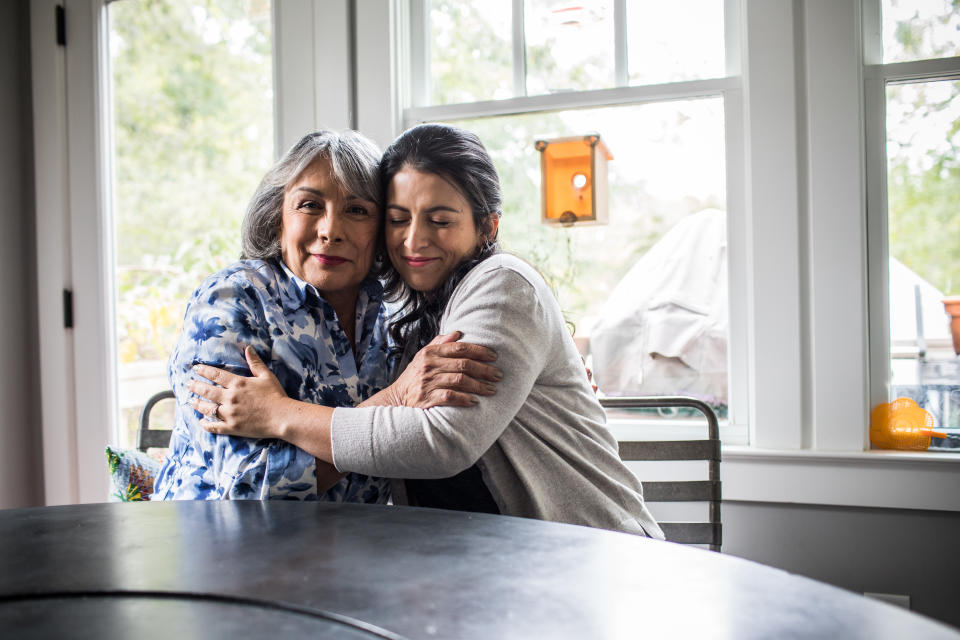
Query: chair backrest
point(708, 490)
point(148, 438)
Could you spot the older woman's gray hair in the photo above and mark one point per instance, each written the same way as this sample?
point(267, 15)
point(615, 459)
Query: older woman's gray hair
point(353, 159)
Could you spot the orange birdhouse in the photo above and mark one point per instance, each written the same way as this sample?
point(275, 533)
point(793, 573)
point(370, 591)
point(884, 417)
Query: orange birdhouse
point(574, 176)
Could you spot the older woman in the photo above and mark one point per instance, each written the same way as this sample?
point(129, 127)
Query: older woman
point(539, 448)
point(304, 298)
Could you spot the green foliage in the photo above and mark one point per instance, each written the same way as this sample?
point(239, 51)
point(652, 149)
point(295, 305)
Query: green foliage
point(927, 33)
point(910, 35)
point(925, 225)
point(923, 180)
point(192, 129)
point(470, 55)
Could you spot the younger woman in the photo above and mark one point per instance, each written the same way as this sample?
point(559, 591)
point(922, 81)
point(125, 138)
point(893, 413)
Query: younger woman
point(539, 447)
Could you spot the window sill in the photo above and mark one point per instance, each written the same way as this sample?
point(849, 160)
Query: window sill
point(878, 479)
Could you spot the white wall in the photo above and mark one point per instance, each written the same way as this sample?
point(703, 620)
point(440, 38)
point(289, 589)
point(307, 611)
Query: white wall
point(21, 474)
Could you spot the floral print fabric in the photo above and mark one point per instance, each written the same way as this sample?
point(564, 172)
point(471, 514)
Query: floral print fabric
point(296, 333)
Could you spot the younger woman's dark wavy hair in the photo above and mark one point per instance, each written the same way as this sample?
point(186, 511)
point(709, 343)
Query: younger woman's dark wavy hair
point(457, 156)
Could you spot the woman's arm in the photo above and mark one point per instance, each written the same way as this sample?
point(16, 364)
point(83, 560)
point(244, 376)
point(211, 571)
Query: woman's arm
point(223, 309)
point(445, 372)
point(495, 306)
point(258, 407)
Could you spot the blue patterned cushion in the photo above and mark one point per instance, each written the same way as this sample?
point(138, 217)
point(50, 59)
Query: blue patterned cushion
point(132, 473)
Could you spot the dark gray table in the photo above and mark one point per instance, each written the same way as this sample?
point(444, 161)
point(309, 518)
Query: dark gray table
point(290, 570)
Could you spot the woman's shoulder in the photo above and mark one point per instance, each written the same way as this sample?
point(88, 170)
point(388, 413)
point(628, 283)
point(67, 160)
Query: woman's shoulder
point(502, 268)
point(246, 278)
point(253, 271)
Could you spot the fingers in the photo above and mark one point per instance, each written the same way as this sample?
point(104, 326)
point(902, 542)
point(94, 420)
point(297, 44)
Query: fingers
point(478, 370)
point(471, 368)
point(206, 408)
point(257, 367)
point(207, 391)
point(215, 427)
point(221, 377)
point(463, 383)
point(448, 398)
point(464, 350)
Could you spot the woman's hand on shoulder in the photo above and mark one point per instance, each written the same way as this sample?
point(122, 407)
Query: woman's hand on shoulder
point(239, 405)
point(446, 373)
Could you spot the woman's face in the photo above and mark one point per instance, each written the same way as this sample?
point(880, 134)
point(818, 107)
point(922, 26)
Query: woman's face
point(429, 228)
point(327, 235)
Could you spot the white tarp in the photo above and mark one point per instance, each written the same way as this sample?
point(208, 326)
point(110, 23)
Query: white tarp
point(903, 307)
point(663, 330)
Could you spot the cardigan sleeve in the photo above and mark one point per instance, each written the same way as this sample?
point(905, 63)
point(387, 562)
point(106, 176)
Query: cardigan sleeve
point(497, 308)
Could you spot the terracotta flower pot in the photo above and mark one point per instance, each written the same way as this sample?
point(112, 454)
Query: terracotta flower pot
point(952, 306)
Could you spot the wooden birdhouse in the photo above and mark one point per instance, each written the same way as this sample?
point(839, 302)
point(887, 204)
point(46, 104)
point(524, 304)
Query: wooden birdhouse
point(574, 180)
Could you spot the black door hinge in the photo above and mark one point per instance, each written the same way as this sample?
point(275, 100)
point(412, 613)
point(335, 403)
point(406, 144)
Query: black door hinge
point(67, 309)
point(61, 26)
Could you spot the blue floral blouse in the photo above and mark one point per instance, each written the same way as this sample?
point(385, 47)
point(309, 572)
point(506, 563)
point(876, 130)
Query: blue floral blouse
point(263, 304)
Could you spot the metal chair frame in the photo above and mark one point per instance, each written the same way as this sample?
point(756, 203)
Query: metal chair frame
point(680, 491)
point(630, 450)
point(148, 438)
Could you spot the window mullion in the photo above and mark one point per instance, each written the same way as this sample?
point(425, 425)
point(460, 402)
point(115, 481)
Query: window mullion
point(621, 64)
point(772, 217)
point(421, 79)
point(732, 37)
point(871, 22)
point(836, 297)
point(738, 267)
point(519, 51)
point(574, 100)
point(878, 275)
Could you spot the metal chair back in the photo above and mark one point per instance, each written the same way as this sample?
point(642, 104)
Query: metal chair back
point(148, 438)
point(708, 490)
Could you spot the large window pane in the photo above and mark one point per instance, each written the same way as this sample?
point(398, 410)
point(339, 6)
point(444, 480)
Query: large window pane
point(471, 55)
point(920, 29)
point(674, 41)
point(652, 283)
point(192, 130)
point(569, 45)
point(923, 181)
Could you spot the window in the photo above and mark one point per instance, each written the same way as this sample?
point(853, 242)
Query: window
point(521, 71)
point(919, 95)
point(792, 188)
point(192, 125)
